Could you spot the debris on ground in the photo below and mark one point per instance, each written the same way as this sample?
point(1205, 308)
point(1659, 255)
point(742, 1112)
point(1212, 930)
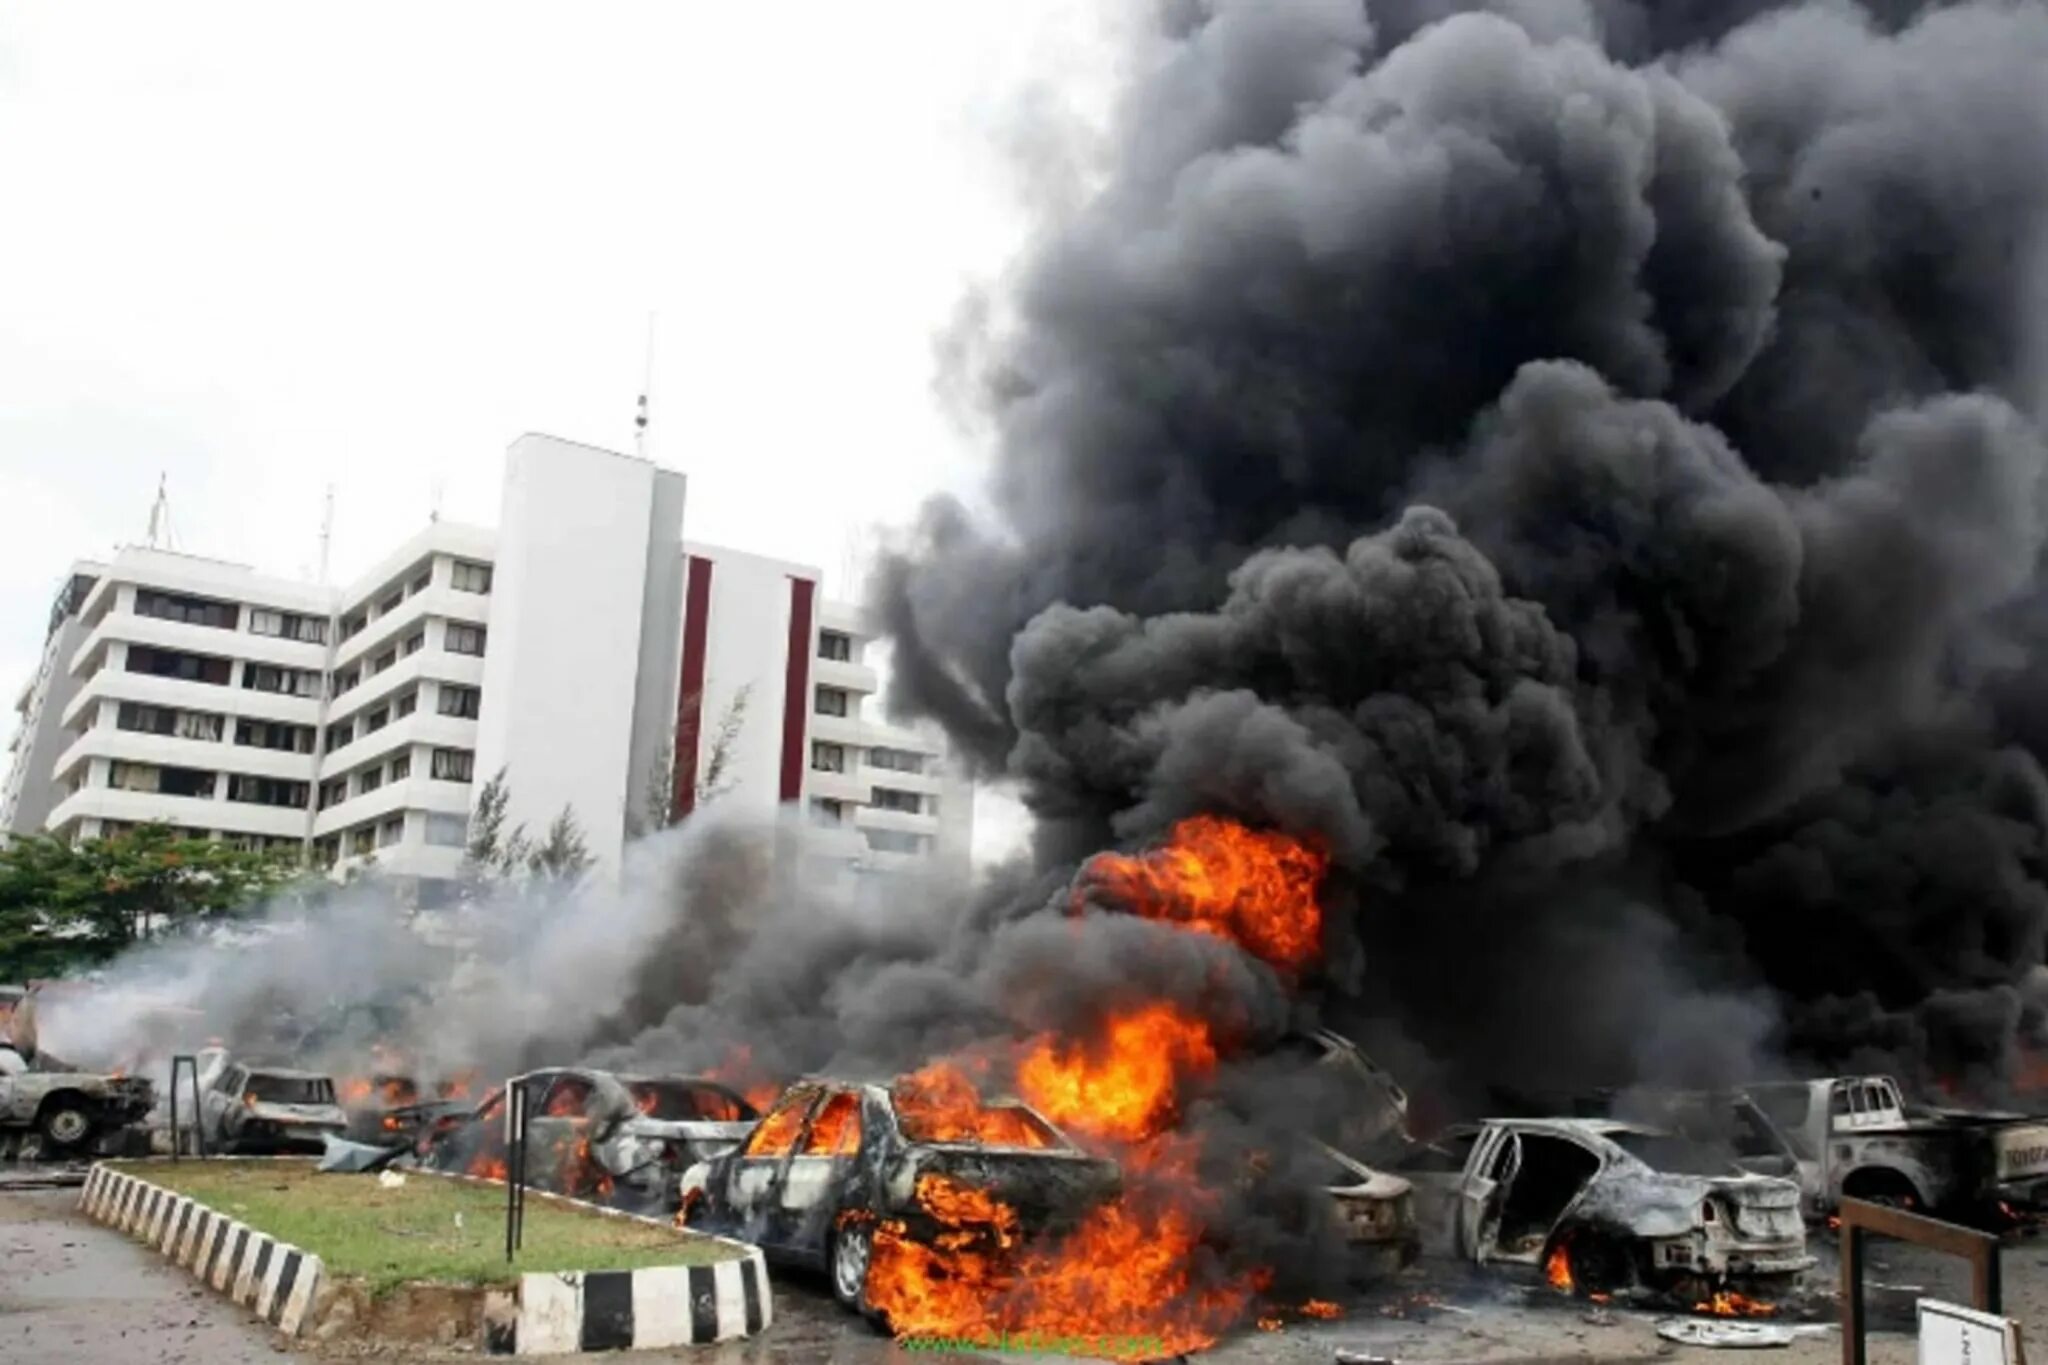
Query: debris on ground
point(1696, 1332)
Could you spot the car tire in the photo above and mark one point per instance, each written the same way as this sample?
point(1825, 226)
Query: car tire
point(64, 1124)
point(847, 1258)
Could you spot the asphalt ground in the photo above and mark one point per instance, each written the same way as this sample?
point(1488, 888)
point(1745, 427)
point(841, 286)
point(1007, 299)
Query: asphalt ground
point(74, 1293)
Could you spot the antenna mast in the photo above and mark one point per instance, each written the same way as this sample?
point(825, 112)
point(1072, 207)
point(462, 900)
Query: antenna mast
point(646, 391)
point(160, 516)
point(326, 533)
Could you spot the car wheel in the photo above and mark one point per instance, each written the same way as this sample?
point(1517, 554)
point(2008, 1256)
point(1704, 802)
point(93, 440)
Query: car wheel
point(65, 1124)
point(853, 1249)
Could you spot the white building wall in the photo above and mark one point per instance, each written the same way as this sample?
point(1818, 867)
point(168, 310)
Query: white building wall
point(39, 736)
point(563, 664)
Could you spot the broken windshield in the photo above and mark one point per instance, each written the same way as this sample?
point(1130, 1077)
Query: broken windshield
point(291, 1089)
point(1678, 1155)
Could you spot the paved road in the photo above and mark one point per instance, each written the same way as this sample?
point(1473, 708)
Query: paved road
point(74, 1293)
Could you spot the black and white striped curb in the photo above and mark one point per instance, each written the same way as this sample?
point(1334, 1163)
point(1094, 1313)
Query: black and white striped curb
point(274, 1279)
point(620, 1310)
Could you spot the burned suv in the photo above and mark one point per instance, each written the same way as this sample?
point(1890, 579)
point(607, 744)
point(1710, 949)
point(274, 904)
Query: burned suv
point(47, 1106)
point(268, 1109)
point(834, 1162)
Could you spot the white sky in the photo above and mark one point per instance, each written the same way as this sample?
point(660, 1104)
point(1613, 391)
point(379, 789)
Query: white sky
point(262, 248)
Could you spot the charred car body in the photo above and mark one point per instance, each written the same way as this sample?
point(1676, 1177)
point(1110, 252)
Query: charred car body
point(1374, 1209)
point(1624, 1206)
point(247, 1108)
point(1857, 1136)
point(833, 1159)
point(620, 1140)
point(49, 1109)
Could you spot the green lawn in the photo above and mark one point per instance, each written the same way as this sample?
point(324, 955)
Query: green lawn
point(430, 1228)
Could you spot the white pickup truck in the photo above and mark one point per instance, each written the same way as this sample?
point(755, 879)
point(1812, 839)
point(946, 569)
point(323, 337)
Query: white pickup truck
point(1856, 1136)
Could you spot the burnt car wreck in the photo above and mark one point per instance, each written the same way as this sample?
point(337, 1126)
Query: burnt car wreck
point(50, 1109)
point(1604, 1206)
point(833, 1162)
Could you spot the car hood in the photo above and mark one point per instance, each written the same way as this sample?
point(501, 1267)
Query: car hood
point(1661, 1204)
point(1380, 1186)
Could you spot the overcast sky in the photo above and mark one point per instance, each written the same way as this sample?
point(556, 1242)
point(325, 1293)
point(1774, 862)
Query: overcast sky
point(263, 248)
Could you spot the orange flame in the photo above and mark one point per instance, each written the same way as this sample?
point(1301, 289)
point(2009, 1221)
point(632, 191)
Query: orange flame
point(1726, 1303)
point(1124, 1085)
point(940, 1104)
point(742, 1073)
point(1217, 877)
point(1557, 1268)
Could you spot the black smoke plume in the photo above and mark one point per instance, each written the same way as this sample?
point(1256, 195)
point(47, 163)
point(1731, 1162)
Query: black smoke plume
point(1581, 459)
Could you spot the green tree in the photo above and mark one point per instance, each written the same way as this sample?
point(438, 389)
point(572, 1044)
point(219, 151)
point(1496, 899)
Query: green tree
point(563, 856)
point(713, 780)
point(497, 855)
point(69, 905)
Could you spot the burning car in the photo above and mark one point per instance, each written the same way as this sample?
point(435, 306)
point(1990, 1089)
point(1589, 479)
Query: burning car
point(268, 1109)
point(834, 1163)
point(622, 1140)
point(388, 1110)
point(1604, 1205)
point(51, 1108)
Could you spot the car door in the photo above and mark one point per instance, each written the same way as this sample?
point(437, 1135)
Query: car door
point(221, 1103)
point(807, 1193)
point(1495, 1160)
point(752, 1176)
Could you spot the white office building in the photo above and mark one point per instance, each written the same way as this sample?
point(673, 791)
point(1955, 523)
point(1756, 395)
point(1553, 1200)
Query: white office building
point(581, 648)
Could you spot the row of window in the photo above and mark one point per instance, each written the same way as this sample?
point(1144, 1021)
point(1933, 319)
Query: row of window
point(829, 757)
point(456, 637)
point(829, 810)
point(454, 699)
point(440, 831)
point(295, 682)
point(164, 780)
point(206, 725)
point(446, 765)
point(205, 611)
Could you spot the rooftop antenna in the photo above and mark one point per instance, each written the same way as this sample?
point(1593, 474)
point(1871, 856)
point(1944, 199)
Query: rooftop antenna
point(646, 390)
point(440, 492)
point(160, 516)
point(326, 532)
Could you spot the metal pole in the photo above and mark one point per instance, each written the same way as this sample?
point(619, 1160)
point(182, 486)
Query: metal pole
point(519, 1220)
point(511, 1161)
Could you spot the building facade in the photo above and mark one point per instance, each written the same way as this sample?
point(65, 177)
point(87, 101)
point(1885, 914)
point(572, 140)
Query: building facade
point(582, 648)
point(773, 707)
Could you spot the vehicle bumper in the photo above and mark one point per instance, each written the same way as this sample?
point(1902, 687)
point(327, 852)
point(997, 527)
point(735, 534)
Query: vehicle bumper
point(2031, 1192)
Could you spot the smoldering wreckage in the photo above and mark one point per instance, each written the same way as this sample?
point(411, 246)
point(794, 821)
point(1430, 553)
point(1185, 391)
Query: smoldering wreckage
point(1514, 536)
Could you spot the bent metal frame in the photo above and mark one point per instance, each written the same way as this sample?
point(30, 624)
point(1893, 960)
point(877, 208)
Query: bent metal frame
point(1860, 1220)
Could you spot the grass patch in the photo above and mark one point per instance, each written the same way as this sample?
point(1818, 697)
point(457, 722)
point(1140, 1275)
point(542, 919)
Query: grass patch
point(429, 1228)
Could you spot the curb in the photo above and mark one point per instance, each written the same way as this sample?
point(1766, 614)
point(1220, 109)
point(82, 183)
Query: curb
point(547, 1313)
point(637, 1310)
point(275, 1280)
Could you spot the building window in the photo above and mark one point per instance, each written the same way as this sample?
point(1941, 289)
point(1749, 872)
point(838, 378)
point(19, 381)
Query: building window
point(890, 798)
point(333, 793)
point(362, 840)
point(341, 736)
point(376, 720)
point(286, 625)
point(165, 720)
point(421, 580)
point(828, 758)
point(383, 661)
point(831, 701)
point(391, 831)
point(454, 765)
point(170, 663)
point(352, 626)
point(468, 577)
point(401, 707)
point(457, 700)
point(368, 780)
point(262, 734)
point(401, 767)
point(414, 642)
point(346, 679)
point(897, 841)
point(896, 760)
point(325, 851)
point(193, 611)
point(447, 831)
point(146, 777)
point(463, 639)
point(826, 811)
point(297, 682)
point(266, 791)
point(836, 645)
point(389, 602)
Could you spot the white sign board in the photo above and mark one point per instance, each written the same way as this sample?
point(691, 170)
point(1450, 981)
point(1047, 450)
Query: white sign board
point(1953, 1335)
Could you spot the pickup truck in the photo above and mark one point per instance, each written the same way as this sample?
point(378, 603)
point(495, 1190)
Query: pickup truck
point(49, 1108)
point(1856, 1136)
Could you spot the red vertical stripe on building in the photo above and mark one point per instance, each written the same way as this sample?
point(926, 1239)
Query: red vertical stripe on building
point(690, 692)
point(796, 688)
